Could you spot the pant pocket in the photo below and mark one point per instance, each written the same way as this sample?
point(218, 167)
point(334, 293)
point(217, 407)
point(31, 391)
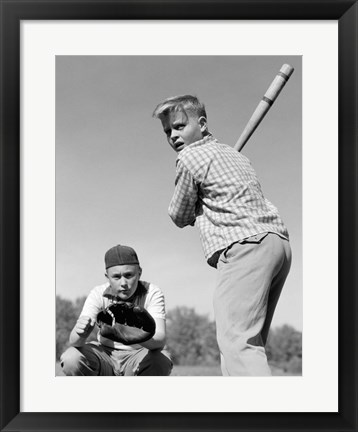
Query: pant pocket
point(257, 238)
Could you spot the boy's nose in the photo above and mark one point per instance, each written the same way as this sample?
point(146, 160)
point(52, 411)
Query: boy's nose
point(174, 135)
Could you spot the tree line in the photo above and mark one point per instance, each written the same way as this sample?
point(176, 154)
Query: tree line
point(191, 337)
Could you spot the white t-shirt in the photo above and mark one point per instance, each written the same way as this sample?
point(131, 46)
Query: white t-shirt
point(153, 302)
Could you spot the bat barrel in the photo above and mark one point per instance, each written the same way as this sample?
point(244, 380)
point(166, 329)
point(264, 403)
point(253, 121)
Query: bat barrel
point(278, 83)
point(265, 104)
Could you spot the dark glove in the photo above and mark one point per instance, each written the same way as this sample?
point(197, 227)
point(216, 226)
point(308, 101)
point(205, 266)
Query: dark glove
point(126, 323)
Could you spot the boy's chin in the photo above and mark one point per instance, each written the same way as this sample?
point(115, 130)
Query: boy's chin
point(127, 296)
point(122, 297)
point(180, 148)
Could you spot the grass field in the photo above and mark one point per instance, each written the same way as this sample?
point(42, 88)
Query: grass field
point(194, 371)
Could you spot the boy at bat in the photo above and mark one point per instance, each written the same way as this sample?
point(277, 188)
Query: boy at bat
point(242, 233)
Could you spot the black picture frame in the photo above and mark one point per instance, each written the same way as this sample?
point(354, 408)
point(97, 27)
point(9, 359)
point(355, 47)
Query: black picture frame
point(12, 12)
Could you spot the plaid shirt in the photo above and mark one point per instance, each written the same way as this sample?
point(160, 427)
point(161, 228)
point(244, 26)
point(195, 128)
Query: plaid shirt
point(217, 188)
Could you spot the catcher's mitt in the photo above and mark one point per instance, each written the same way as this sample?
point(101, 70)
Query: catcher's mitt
point(126, 323)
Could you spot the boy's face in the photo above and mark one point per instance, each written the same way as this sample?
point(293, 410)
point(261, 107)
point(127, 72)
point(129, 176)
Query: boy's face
point(183, 129)
point(124, 280)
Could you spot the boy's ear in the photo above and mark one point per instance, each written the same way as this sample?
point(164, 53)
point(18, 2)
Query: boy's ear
point(203, 124)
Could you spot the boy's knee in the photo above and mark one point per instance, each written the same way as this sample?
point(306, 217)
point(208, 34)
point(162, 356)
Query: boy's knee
point(70, 361)
point(155, 363)
point(85, 360)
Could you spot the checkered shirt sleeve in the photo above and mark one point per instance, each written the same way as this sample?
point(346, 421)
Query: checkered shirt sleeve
point(183, 203)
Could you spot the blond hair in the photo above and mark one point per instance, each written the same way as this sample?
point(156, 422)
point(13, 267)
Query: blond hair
point(183, 103)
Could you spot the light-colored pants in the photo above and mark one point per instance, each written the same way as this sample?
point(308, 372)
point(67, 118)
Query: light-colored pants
point(96, 359)
point(251, 275)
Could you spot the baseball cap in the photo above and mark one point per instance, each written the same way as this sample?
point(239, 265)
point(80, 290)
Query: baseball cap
point(120, 255)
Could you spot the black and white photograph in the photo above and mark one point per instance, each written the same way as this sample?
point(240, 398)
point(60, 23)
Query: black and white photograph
point(179, 215)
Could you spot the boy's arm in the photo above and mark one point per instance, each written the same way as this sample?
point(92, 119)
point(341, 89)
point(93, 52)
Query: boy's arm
point(80, 332)
point(86, 321)
point(183, 204)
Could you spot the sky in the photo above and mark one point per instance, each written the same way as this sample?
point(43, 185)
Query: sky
point(115, 171)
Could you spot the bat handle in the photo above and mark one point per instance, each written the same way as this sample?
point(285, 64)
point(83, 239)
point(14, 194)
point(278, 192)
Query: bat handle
point(265, 104)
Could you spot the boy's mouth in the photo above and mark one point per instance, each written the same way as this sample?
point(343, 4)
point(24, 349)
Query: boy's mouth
point(179, 146)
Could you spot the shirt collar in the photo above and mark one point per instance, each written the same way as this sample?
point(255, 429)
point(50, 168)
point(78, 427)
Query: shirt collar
point(205, 140)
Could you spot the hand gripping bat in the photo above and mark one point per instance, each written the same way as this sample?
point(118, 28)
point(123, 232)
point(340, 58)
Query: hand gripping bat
point(265, 104)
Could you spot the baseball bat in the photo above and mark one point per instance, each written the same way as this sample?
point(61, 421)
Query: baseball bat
point(265, 104)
